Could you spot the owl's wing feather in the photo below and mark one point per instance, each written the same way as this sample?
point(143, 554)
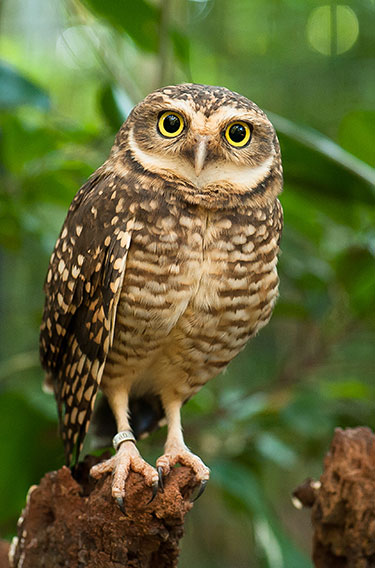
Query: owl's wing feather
point(82, 289)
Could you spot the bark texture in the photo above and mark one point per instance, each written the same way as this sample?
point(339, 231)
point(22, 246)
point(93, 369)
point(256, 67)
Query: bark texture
point(75, 523)
point(4, 551)
point(343, 502)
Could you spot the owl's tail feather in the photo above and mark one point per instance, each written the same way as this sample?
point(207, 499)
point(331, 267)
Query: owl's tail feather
point(146, 415)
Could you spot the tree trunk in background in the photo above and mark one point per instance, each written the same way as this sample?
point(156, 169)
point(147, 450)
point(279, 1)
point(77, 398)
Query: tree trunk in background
point(78, 524)
point(4, 551)
point(343, 502)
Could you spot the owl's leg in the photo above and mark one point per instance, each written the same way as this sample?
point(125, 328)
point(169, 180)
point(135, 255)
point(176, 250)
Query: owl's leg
point(127, 456)
point(176, 451)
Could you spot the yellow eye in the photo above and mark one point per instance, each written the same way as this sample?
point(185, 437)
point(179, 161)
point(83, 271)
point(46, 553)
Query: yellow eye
point(238, 134)
point(170, 124)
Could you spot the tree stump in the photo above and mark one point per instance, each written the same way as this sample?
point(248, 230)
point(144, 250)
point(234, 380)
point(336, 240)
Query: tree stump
point(4, 552)
point(75, 523)
point(343, 503)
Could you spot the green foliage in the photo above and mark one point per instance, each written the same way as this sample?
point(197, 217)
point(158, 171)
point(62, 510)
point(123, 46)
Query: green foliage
point(266, 423)
point(16, 90)
point(21, 443)
point(138, 19)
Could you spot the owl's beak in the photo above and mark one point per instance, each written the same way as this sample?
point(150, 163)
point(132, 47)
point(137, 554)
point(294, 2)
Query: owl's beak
point(200, 154)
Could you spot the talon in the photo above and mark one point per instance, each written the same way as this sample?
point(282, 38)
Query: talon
point(155, 487)
point(201, 490)
point(121, 504)
point(161, 482)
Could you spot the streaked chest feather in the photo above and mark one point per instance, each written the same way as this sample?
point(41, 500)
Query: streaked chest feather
point(216, 265)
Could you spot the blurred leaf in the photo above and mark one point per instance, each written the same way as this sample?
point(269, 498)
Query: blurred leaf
point(349, 389)
point(322, 147)
point(10, 232)
point(244, 490)
point(112, 112)
point(307, 415)
point(241, 484)
point(244, 409)
point(181, 45)
point(275, 450)
point(139, 19)
point(17, 363)
point(272, 537)
point(16, 90)
point(20, 444)
point(292, 310)
point(357, 135)
point(356, 271)
point(202, 403)
point(21, 143)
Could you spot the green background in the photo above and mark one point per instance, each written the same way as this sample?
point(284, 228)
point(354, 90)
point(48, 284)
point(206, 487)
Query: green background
point(69, 73)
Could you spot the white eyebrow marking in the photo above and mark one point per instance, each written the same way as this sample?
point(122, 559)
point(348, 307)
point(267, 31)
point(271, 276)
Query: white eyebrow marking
point(219, 172)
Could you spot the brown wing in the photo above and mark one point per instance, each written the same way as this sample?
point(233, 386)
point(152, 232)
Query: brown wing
point(82, 288)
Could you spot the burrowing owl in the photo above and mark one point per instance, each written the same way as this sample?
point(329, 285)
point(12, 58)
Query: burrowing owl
point(164, 268)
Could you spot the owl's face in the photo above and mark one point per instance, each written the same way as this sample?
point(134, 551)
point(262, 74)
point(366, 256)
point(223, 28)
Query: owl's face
point(205, 137)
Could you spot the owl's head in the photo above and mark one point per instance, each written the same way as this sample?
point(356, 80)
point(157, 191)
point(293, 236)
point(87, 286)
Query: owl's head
point(212, 142)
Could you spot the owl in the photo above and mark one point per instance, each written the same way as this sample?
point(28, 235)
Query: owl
point(164, 268)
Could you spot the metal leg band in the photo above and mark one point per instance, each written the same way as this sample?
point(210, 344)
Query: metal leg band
point(125, 436)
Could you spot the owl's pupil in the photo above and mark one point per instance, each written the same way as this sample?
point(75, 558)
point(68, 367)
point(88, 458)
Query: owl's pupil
point(171, 123)
point(237, 132)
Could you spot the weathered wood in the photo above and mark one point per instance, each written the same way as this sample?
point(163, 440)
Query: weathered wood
point(75, 523)
point(4, 551)
point(343, 504)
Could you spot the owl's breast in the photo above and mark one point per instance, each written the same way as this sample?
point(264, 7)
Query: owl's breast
point(197, 286)
point(236, 291)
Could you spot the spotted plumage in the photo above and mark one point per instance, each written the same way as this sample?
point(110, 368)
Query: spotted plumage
point(164, 268)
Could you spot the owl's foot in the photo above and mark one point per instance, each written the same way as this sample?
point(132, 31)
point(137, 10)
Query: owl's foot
point(126, 458)
point(183, 456)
